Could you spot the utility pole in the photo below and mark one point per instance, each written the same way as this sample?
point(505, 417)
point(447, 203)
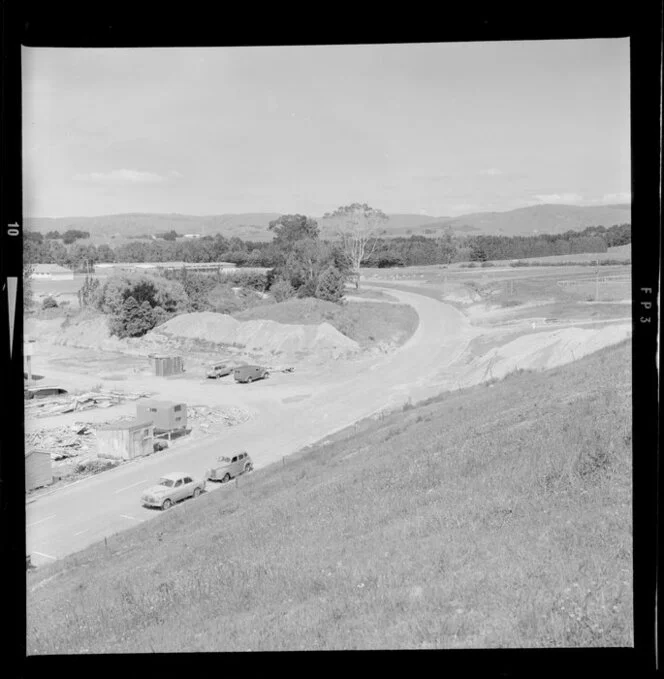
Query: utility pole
point(597, 281)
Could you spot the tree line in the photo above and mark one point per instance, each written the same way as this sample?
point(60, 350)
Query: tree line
point(382, 252)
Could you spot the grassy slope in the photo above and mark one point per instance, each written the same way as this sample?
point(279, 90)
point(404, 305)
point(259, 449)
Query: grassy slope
point(492, 517)
point(364, 322)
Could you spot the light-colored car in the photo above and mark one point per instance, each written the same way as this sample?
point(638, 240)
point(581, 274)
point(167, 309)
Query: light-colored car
point(172, 488)
point(223, 368)
point(219, 370)
point(249, 373)
point(230, 467)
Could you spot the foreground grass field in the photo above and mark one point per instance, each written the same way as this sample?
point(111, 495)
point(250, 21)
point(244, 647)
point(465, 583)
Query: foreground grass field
point(497, 516)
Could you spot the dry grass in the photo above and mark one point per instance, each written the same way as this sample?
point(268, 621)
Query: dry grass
point(493, 517)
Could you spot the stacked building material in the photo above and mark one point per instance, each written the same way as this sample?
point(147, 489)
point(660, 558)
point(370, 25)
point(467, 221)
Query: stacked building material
point(92, 399)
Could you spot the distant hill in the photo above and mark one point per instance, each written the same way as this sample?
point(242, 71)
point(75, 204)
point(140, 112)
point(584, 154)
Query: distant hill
point(552, 219)
point(249, 226)
point(254, 226)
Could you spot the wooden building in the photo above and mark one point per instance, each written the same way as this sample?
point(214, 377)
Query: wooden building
point(38, 469)
point(125, 440)
point(163, 365)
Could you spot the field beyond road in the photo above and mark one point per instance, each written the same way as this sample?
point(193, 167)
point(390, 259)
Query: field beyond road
point(495, 516)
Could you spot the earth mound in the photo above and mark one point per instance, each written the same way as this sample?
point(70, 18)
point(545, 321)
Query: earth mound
point(263, 336)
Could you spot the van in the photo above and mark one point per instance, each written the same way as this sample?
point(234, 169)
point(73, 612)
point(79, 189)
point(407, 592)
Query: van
point(249, 373)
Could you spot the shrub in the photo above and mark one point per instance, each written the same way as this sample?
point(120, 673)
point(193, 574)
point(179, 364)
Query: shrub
point(49, 303)
point(331, 285)
point(134, 321)
point(282, 290)
point(256, 280)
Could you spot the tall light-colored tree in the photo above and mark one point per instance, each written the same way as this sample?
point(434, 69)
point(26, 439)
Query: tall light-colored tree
point(357, 226)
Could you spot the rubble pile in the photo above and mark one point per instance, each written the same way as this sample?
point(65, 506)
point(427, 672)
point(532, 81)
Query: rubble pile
point(204, 416)
point(280, 369)
point(92, 399)
point(64, 442)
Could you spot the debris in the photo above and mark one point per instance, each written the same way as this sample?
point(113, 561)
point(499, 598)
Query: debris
point(85, 401)
point(63, 442)
point(204, 416)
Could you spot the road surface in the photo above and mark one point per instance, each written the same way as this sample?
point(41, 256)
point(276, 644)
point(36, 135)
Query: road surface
point(73, 517)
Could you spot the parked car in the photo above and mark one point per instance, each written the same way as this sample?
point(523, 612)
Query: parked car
point(230, 467)
point(172, 488)
point(249, 373)
point(219, 370)
point(223, 368)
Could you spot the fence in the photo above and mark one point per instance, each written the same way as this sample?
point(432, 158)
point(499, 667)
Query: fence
point(584, 281)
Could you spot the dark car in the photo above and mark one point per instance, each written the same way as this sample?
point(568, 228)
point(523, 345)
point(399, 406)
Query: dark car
point(228, 468)
point(249, 373)
point(42, 392)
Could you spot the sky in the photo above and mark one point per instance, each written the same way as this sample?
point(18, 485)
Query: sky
point(436, 129)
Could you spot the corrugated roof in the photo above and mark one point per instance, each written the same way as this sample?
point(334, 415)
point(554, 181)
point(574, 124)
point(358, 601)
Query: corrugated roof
point(37, 451)
point(130, 424)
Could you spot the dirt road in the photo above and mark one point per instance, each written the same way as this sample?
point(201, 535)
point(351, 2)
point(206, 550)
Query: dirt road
point(290, 411)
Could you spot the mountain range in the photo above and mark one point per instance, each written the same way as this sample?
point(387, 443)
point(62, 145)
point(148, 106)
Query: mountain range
point(527, 221)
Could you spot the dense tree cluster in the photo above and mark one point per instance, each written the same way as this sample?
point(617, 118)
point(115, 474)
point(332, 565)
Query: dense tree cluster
point(299, 254)
point(67, 237)
point(299, 261)
point(484, 248)
point(137, 302)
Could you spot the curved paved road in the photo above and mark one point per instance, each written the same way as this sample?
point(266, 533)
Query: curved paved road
point(75, 516)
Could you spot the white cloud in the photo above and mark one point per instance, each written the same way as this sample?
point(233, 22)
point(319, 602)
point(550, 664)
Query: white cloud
point(559, 197)
point(491, 172)
point(121, 177)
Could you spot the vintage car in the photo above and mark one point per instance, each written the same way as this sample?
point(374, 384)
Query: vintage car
point(230, 467)
point(223, 368)
point(219, 370)
point(172, 488)
point(249, 373)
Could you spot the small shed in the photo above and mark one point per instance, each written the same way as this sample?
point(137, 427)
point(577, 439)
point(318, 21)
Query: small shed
point(38, 469)
point(125, 440)
point(165, 415)
point(163, 365)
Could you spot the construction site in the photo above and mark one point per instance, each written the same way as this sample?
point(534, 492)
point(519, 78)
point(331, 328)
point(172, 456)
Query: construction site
point(499, 320)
